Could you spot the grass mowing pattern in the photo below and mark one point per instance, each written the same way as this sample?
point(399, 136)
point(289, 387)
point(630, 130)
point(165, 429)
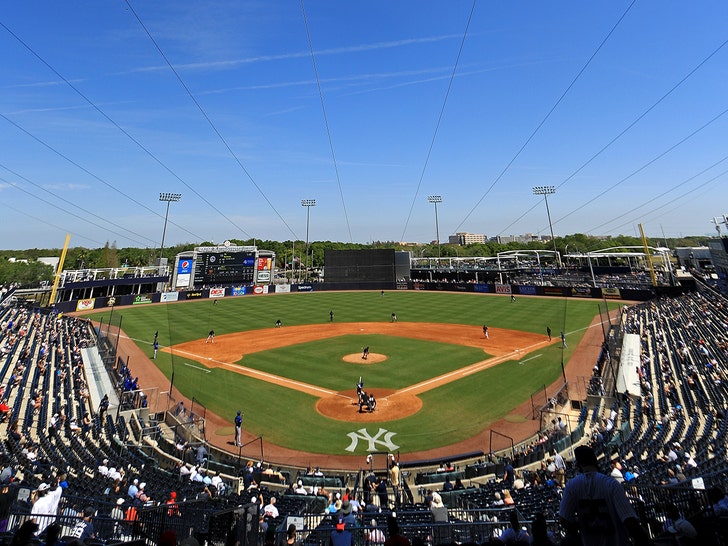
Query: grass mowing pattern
point(452, 412)
point(405, 364)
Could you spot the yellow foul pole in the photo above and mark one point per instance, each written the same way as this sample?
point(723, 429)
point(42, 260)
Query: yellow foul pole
point(648, 256)
point(59, 270)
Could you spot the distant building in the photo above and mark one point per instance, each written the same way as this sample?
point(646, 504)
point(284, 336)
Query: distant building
point(525, 238)
point(463, 238)
point(50, 260)
point(697, 257)
point(719, 255)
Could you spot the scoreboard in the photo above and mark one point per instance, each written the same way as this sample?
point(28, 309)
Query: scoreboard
point(224, 267)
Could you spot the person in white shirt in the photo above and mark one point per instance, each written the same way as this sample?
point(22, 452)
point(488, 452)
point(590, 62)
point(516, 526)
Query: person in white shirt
point(103, 469)
point(45, 507)
point(375, 535)
point(616, 472)
point(217, 482)
point(270, 508)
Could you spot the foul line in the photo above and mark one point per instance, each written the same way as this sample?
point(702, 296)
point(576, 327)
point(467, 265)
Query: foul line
point(530, 358)
point(197, 367)
point(415, 389)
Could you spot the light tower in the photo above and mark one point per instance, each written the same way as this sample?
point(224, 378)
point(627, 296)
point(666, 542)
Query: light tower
point(168, 198)
point(308, 203)
point(435, 199)
point(546, 191)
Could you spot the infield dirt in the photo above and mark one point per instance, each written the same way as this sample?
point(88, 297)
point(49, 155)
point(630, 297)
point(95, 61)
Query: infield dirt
point(230, 348)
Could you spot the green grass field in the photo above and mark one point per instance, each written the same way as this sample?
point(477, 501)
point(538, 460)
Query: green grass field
point(288, 418)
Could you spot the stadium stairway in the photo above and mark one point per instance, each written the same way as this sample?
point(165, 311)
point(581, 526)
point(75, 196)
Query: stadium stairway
point(98, 380)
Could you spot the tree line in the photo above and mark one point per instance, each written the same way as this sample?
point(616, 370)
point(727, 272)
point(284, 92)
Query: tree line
point(27, 271)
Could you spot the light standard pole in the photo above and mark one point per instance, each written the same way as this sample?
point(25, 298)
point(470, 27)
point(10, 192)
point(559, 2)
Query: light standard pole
point(308, 203)
point(546, 191)
point(435, 199)
point(168, 198)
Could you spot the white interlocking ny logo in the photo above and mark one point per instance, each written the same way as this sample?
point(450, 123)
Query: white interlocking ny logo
point(363, 434)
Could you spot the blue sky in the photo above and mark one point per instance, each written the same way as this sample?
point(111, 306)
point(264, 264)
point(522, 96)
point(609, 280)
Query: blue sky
point(95, 124)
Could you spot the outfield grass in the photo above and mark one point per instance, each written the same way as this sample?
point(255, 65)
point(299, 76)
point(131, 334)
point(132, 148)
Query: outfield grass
point(450, 413)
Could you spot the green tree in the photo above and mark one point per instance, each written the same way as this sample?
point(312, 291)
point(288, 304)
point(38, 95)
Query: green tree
point(109, 256)
point(28, 274)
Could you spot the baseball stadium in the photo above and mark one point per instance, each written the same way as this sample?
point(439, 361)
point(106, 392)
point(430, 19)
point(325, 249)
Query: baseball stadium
point(308, 391)
point(560, 380)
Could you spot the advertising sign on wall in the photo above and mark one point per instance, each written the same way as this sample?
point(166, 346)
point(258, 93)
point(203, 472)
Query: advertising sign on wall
point(184, 272)
point(283, 288)
point(169, 296)
point(526, 289)
point(217, 292)
point(502, 288)
point(263, 276)
point(85, 305)
point(553, 291)
point(611, 293)
point(239, 290)
point(140, 300)
point(581, 292)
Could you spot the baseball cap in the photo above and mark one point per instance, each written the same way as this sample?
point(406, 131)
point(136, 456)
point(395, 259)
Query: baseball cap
point(340, 523)
point(44, 487)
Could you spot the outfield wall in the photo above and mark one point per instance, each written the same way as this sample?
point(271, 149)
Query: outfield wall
point(88, 304)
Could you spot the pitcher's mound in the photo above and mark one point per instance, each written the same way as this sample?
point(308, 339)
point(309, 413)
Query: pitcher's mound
point(373, 358)
point(343, 406)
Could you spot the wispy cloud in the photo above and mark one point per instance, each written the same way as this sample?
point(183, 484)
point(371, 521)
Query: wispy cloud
point(54, 109)
point(445, 76)
point(67, 186)
point(42, 84)
point(63, 108)
point(230, 63)
point(376, 76)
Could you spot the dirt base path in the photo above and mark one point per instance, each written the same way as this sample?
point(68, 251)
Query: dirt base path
point(229, 348)
point(391, 405)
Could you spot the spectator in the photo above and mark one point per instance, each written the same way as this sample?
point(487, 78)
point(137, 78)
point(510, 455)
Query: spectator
point(395, 537)
point(341, 536)
point(596, 507)
point(84, 528)
point(677, 526)
point(374, 536)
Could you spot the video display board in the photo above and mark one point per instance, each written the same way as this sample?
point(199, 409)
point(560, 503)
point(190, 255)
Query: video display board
point(224, 267)
point(361, 266)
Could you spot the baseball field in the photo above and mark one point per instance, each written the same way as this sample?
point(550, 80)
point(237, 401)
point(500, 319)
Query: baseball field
point(437, 379)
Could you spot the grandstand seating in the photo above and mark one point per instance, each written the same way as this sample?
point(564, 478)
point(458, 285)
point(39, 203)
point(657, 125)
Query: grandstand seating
point(682, 411)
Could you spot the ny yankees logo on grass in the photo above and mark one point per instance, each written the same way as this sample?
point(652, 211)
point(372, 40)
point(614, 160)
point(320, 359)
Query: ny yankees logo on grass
point(363, 434)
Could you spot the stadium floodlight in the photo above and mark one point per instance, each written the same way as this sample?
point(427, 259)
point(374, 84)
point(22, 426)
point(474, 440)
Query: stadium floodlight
point(168, 198)
point(308, 203)
point(546, 191)
point(435, 199)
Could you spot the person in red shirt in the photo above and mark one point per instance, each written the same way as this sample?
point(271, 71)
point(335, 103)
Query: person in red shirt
point(172, 506)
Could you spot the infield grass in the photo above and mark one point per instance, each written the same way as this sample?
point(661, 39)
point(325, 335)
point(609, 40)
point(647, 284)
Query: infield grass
point(408, 361)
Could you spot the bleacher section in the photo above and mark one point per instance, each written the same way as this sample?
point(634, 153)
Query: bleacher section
point(668, 437)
